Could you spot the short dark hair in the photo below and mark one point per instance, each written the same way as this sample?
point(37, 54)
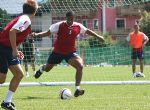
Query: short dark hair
point(29, 8)
point(70, 13)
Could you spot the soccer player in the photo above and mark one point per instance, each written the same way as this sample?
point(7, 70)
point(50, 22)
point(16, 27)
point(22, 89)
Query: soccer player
point(137, 40)
point(11, 36)
point(64, 47)
point(29, 54)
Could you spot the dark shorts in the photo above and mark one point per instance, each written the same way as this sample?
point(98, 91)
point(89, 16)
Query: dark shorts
point(6, 59)
point(56, 58)
point(137, 53)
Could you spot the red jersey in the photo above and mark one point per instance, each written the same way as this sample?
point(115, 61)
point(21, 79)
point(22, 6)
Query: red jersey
point(21, 23)
point(66, 36)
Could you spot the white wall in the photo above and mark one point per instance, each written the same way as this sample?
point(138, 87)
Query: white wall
point(43, 23)
point(46, 22)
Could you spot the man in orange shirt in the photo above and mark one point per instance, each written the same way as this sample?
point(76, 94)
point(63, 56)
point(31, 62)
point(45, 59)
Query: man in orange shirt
point(137, 40)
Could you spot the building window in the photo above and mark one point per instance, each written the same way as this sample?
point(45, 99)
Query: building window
point(95, 24)
point(84, 22)
point(120, 23)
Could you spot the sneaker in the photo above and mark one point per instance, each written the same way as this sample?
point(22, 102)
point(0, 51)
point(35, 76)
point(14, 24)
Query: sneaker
point(8, 106)
point(38, 74)
point(140, 74)
point(134, 75)
point(78, 92)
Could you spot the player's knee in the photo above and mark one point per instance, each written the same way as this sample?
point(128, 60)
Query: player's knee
point(19, 76)
point(80, 67)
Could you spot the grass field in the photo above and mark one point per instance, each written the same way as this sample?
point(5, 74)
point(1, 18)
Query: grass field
point(97, 97)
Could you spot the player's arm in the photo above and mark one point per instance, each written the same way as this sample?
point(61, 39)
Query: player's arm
point(53, 29)
point(12, 38)
point(128, 39)
point(146, 39)
point(41, 34)
point(33, 47)
point(92, 33)
point(21, 25)
point(84, 30)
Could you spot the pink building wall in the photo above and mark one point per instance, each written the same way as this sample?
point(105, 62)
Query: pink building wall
point(111, 19)
point(130, 21)
point(97, 16)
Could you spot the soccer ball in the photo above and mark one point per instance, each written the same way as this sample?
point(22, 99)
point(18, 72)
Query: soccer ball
point(138, 74)
point(65, 93)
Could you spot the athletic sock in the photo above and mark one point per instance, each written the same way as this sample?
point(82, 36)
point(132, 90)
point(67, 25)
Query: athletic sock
point(9, 96)
point(41, 69)
point(77, 87)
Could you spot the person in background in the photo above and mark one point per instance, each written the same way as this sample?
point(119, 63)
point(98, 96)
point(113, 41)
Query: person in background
point(28, 49)
point(137, 40)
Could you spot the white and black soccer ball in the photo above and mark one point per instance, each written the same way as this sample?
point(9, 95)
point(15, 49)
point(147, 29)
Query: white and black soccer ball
point(65, 93)
point(138, 74)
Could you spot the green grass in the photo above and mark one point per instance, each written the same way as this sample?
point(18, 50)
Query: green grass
point(97, 97)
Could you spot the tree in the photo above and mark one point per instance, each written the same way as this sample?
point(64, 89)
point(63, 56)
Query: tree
point(145, 24)
point(147, 6)
point(94, 42)
point(4, 18)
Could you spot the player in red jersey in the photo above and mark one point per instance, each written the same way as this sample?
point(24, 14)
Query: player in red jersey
point(64, 47)
point(11, 36)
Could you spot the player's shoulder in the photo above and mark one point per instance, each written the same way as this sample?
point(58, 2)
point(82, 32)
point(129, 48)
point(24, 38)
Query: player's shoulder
point(142, 33)
point(131, 33)
point(25, 18)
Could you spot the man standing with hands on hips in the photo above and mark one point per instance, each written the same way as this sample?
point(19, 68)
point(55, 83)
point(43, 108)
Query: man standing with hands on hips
point(137, 40)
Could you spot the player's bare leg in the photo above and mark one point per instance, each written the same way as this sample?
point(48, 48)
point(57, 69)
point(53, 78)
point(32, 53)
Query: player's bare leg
point(141, 65)
point(133, 65)
point(48, 67)
point(77, 63)
point(2, 78)
point(142, 68)
point(17, 76)
point(43, 68)
point(26, 69)
point(33, 67)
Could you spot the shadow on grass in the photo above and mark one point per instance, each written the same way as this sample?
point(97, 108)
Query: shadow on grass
point(32, 98)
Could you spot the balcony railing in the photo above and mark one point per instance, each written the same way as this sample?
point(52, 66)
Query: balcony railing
point(128, 10)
